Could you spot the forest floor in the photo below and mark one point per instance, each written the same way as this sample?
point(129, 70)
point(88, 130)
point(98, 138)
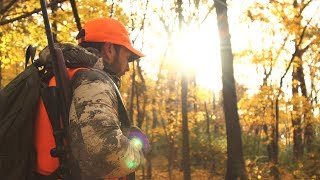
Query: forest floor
point(177, 175)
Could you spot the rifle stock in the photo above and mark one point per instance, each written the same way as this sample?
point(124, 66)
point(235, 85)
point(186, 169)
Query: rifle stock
point(64, 85)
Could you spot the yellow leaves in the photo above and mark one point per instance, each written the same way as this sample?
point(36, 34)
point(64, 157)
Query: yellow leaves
point(92, 9)
point(4, 61)
point(257, 170)
point(259, 108)
point(159, 131)
point(297, 173)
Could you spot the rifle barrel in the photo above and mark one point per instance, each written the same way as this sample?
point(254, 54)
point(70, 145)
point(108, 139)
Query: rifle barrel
point(47, 26)
point(76, 14)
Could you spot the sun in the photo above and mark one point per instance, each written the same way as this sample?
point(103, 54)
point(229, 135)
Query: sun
point(197, 50)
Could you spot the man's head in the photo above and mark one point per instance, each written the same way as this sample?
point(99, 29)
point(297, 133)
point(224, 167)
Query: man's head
point(111, 38)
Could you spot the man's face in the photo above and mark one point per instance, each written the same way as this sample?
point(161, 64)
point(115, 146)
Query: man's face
point(118, 59)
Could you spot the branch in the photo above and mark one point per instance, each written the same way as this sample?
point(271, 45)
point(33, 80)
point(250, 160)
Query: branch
point(288, 67)
point(212, 7)
point(142, 24)
point(304, 32)
point(305, 6)
point(7, 21)
point(111, 10)
point(278, 55)
point(2, 11)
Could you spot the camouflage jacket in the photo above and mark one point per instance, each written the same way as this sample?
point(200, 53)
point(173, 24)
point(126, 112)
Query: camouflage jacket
point(98, 144)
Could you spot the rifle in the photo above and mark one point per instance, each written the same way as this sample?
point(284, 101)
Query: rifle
point(56, 100)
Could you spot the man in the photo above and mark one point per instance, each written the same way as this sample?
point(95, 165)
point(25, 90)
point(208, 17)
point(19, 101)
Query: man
point(103, 148)
point(100, 144)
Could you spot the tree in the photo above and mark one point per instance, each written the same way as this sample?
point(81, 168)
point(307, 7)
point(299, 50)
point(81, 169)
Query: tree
point(298, 80)
point(235, 162)
point(184, 101)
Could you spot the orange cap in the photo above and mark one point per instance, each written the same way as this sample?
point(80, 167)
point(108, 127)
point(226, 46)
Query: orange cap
point(108, 30)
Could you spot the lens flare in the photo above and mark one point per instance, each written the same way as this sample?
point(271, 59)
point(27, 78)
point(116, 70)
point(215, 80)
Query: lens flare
point(137, 142)
point(131, 164)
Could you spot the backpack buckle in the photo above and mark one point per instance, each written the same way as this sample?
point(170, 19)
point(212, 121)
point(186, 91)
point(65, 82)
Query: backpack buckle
point(57, 152)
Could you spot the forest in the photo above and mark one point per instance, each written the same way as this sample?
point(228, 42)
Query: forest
point(227, 89)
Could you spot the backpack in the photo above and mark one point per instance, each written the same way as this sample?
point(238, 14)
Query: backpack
point(18, 105)
point(18, 109)
point(19, 102)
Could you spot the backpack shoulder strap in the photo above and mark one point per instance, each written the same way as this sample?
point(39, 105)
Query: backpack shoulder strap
point(124, 118)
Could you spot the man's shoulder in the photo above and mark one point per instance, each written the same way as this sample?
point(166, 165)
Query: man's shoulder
point(89, 75)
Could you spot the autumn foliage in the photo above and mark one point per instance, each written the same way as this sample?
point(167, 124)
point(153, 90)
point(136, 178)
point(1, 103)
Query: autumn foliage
point(277, 77)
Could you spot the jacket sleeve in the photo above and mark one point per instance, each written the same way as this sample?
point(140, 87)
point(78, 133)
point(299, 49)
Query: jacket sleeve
point(98, 144)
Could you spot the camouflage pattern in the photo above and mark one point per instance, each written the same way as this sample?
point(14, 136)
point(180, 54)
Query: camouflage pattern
point(98, 143)
point(74, 56)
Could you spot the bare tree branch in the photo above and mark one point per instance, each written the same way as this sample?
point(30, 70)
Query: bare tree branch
point(143, 20)
point(305, 6)
point(7, 21)
point(112, 9)
point(9, 5)
point(211, 8)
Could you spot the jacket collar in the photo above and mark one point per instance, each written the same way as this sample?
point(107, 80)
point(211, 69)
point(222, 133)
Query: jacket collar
point(104, 67)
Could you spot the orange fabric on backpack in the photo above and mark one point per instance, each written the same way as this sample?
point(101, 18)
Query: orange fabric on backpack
point(43, 136)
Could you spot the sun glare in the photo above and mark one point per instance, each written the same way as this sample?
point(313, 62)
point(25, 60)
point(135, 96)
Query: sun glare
point(196, 50)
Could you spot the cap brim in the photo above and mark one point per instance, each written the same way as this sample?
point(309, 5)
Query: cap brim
point(136, 54)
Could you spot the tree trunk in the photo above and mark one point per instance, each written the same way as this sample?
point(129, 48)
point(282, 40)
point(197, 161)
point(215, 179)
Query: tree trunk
point(274, 145)
point(308, 131)
point(185, 129)
point(1, 7)
point(149, 165)
point(171, 157)
point(299, 76)
point(256, 140)
point(170, 147)
point(184, 101)
point(0, 75)
point(138, 108)
point(208, 123)
point(141, 91)
point(274, 150)
point(296, 118)
point(150, 154)
point(235, 162)
point(132, 93)
point(308, 137)
point(215, 126)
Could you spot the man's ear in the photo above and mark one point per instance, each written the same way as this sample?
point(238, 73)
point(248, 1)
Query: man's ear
point(108, 52)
